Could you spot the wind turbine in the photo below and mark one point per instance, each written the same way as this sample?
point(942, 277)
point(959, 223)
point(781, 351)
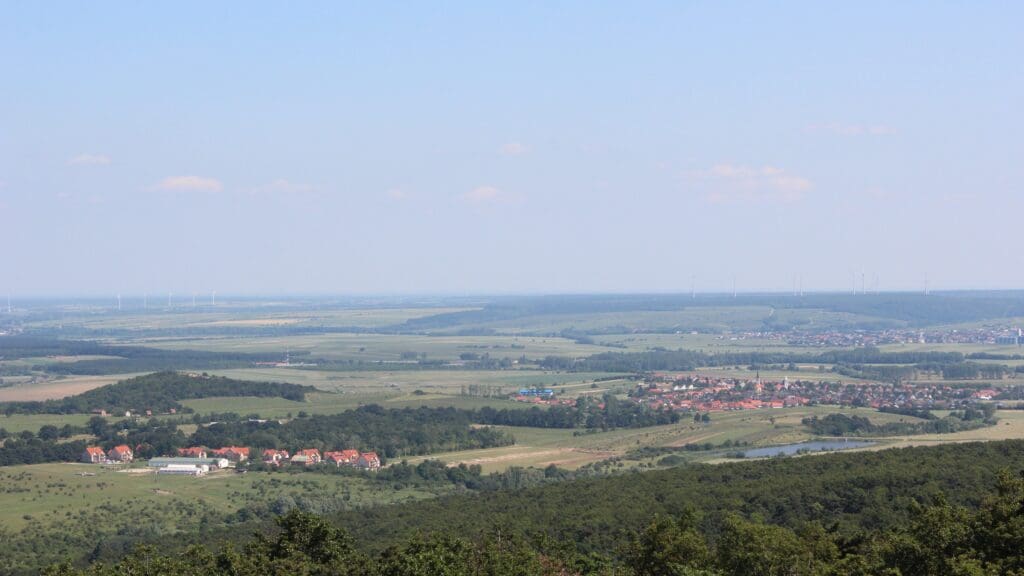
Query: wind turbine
point(118, 301)
point(9, 310)
point(169, 294)
point(213, 298)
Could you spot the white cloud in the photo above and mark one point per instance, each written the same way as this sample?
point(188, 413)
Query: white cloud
point(514, 149)
point(189, 184)
point(396, 194)
point(281, 187)
point(89, 160)
point(739, 184)
point(483, 195)
point(841, 129)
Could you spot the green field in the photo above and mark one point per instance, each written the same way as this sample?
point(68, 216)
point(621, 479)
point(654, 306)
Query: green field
point(542, 447)
point(385, 347)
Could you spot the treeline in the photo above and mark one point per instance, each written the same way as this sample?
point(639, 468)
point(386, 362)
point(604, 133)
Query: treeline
point(390, 432)
point(843, 425)
point(662, 359)
point(589, 413)
point(158, 392)
point(33, 450)
point(932, 534)
point(867, 363)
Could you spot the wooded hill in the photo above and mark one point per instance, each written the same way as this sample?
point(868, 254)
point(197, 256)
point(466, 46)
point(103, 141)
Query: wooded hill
point(159, 392)
point(949, 510)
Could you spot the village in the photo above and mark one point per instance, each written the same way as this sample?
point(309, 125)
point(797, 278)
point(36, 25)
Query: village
point(686, 392)
point(199, 460)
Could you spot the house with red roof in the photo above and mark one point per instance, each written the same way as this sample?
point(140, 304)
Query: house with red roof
point(368, 461)
point(342, 457)
point(275, 457)
point(94, 455)
point(192, 452)
point(120, 453)
point(233, 453)
point(307, 457)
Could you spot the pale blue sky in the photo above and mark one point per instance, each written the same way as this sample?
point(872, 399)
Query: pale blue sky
point(536, 147)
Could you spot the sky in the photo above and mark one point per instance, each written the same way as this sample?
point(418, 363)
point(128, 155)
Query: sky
point(520, 147)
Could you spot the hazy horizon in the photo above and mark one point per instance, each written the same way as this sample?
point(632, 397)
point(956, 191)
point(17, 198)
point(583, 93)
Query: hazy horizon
point(479, 150)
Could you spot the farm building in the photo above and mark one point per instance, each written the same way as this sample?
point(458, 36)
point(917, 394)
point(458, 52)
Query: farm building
point(184, 470)
point(211, 463)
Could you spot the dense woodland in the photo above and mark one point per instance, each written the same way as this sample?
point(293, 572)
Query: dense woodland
point(159, 392)
point(956, 510)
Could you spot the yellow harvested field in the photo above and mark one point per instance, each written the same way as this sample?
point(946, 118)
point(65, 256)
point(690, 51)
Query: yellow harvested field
point(57, 388)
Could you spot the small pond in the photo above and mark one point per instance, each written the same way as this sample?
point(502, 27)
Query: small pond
point(815, 446)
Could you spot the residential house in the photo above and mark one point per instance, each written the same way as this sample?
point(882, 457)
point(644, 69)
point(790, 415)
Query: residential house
point(94, 455)
point(193, 452)
point(120, 453)
point(342, 457)
point(275, 457)
point(368, 461)
point(307, 457)
point(233, 453)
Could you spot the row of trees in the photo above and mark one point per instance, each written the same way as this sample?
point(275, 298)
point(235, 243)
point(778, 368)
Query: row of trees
point(591, 413)
point(844, 425)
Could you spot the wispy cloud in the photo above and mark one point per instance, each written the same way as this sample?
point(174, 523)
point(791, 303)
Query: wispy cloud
point(281, 187)
point(841, 129)
point(89, 160)
point(485, 195)
point(514, 149)
point(396, 194)
point(739, 184)
point(189, 184)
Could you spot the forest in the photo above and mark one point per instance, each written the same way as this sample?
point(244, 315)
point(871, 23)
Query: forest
point(956, 509)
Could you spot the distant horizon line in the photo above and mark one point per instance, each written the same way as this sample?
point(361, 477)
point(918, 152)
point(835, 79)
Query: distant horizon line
point(159, 299)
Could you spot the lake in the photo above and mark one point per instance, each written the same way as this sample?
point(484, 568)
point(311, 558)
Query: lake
point(816, 446)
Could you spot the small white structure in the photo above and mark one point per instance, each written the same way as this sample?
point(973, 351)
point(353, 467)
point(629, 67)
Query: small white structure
point(184, 469)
